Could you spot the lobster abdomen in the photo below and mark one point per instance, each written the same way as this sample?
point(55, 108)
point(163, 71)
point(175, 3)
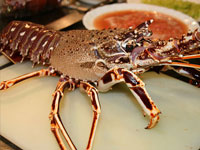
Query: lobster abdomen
point(30, 40)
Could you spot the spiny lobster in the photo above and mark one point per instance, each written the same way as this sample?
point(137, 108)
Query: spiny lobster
point(95, 61)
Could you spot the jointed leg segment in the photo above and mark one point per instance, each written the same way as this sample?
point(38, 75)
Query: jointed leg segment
point(112, 77)
point(136, 86)
point(9, 83)
point(92, 92)
point(56, 123)
point(191, 73)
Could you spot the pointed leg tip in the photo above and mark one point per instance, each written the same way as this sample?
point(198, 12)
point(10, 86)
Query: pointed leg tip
point(153, 122)
point(2, 85)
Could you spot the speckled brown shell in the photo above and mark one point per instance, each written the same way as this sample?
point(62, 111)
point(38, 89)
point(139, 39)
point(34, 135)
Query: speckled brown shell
point(76, 55)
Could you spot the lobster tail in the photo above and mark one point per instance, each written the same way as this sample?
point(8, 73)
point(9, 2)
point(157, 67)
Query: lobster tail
point(29, 40)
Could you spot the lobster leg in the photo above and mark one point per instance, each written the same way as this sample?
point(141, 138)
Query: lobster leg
point(136, 86)
point(92, 92)
point(191, 73)
point(9, 83)
point(54, 116)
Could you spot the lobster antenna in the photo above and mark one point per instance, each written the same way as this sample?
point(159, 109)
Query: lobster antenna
point(181, 64)
point(187, 57)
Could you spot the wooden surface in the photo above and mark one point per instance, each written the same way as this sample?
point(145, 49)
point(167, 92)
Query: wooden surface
point(4, 146)
point(7, 145)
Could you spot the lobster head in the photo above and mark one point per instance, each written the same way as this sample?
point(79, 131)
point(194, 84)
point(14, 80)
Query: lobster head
point(150, 52)
point(135, 48)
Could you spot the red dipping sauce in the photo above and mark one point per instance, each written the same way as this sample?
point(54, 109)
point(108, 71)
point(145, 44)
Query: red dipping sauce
point(163, 27)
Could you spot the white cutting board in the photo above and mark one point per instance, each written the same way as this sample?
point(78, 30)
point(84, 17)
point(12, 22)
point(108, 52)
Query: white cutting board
point(24, 111)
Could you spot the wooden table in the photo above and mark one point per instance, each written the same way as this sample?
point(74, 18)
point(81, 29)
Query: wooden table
point(7, 145)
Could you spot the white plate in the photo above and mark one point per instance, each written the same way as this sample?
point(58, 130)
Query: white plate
point(88, 19)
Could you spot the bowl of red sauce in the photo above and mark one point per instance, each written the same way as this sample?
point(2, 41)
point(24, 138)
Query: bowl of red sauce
point(167, 22)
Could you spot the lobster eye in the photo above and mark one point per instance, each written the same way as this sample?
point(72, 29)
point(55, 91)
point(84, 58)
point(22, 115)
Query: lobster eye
point(129, 48)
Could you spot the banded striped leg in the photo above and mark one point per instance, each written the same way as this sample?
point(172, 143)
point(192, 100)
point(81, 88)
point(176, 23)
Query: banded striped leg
point(56, 123)
point(191, 73)
point(7, 84)
point(136, 86)
point(92, 92)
